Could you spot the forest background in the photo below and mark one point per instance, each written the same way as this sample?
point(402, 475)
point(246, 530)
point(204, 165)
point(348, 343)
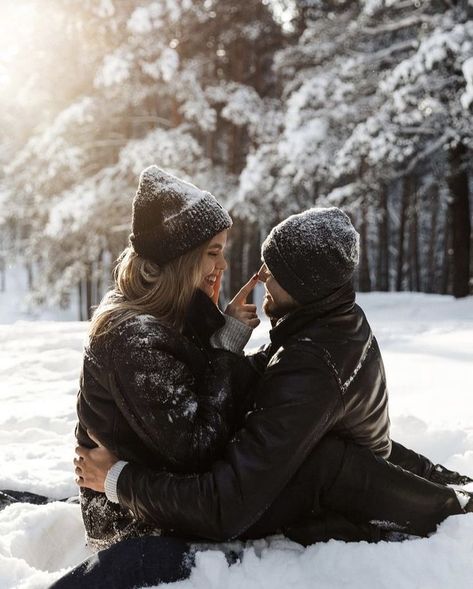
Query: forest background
point(272, 105)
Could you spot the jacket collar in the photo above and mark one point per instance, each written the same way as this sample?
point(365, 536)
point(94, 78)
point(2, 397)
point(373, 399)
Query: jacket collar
point(203, 318)
point(339, 302)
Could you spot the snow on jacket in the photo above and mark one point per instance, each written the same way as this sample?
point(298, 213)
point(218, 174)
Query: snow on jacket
point(325, 374)
point(161, 399)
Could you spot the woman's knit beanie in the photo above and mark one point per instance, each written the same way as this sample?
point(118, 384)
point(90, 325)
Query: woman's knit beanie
point(313, 253)
point(172, 217)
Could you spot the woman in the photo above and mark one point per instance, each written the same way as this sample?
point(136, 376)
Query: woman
point(152, 386)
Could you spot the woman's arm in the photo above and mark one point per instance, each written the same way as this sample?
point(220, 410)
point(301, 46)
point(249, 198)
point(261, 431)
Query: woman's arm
point(185, 419)
point(293, 414)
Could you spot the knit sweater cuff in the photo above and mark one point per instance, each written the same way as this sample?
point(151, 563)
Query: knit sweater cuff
point(233, 336)
point(111, 481)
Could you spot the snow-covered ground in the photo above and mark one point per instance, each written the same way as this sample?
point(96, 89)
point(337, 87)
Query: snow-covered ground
point(15, 304)
point(427, 343)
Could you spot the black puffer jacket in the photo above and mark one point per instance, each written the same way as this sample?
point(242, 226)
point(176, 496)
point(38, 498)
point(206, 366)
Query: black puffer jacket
point(162, 399)
point(325, 374)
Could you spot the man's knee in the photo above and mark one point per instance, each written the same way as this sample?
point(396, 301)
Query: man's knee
point(324, 461)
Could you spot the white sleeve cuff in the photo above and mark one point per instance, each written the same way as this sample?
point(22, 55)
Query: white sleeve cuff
point(111, 480)
point(233, 336)
point(463, 498)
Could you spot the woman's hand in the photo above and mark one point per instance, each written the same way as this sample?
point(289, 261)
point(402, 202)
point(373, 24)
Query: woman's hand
point(240, 309)
point(92, 465)
point(217, 286)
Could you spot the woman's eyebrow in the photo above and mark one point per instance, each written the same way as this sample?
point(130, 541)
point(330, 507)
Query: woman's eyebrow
point(213, 246)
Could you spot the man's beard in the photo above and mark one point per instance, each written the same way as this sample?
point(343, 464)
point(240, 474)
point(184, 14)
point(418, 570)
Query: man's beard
point(274, 311)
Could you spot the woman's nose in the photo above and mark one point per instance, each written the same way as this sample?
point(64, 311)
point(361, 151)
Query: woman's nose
point(222, 264)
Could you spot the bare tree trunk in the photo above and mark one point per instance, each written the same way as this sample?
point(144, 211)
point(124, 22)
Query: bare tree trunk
point(2, 276)
point(80, 301)
point(176, 116)
point(235, 149)
point(364, 279)
point(414, 265)
point(210, 145)
point(461, 225)
point(382, 271)
point(406, 190)
point(235, 258)
point(432, 258)
point(88, 292)
point(29, 274)
point(447, 254)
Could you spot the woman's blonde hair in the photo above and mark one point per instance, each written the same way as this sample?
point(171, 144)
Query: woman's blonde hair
point(143, 287)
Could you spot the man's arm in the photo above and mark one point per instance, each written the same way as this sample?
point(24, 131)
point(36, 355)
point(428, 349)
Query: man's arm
point(296, 406)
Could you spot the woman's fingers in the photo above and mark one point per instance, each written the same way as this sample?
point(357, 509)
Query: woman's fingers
point(240, 309)
point(240, 297)
point(81, 451)
point(246, 316)
point(217, 286)
point(94, 438)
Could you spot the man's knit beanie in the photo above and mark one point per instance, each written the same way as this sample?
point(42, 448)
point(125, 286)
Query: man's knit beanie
point(172, 217)
point(313, 253)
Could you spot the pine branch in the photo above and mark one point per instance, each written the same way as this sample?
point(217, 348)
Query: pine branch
point(424, 154)
point(383, 53)
point(393, 27)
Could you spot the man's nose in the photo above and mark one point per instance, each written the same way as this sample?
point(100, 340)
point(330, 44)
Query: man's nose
point(262, 274)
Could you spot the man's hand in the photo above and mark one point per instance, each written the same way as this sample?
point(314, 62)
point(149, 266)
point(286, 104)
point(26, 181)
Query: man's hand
point(240, 309)
point(92, 465)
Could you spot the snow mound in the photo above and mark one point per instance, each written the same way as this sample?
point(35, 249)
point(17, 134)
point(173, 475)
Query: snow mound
point(427, 345)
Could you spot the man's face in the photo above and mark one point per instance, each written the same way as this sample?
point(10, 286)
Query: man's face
point(277, 302)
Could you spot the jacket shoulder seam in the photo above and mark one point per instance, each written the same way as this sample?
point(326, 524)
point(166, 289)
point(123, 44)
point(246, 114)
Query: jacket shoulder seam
point(351, 378)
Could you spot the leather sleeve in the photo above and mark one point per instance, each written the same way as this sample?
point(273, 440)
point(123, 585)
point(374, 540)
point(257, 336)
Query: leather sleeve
point(259, 359)
point(297, 403)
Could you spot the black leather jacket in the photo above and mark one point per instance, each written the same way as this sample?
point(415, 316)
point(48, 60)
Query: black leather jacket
point(325, 373)
point(161, 399)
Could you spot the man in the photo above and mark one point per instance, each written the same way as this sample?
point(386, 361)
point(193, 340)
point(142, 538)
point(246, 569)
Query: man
point(324, 375)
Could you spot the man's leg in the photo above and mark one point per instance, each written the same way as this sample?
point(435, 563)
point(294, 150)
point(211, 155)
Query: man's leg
point(410, 460)
point(368, 488)
point(332, 526)
point(8, 497)
point(423, 467)
point(342, 477)
point(137, 562)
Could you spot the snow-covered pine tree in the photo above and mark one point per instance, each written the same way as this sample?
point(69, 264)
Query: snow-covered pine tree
point(371, 91)
point(423, 125)
point(167, 82)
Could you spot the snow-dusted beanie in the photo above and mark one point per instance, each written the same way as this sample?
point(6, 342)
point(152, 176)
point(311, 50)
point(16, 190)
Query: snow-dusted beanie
point(172, 217)
point(313, 253)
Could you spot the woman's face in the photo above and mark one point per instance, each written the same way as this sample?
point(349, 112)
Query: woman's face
point(213, 263)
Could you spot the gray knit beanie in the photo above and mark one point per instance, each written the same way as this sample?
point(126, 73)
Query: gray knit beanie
point(172, 217)
point(313, 253)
